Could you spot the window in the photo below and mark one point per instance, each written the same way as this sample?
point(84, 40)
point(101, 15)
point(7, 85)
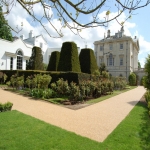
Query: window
point(41, 45)
point(101, 48)
point(121, 61)
point(107, 61)
point(19, 60)
point(110, 47)
point(111, 60)
point(11, 63)
point(121, 46)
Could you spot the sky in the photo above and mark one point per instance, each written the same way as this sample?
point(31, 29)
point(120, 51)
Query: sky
point(138, 26)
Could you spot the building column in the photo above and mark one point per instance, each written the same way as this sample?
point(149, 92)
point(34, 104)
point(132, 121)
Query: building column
point(14, 63)
point(8, 63)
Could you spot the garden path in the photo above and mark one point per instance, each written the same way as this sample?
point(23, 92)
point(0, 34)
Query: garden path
point(96, 121)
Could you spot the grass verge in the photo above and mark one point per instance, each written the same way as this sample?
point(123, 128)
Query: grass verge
point(19, 131)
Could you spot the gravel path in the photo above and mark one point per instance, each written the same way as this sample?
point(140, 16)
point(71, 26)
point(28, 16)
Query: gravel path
point(96, 121)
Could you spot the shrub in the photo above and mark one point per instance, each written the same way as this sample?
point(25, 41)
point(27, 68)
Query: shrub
point(53, 62)
point(132, 79)
point(69, 60)
point(6, 106)
point(87, 61)
point(142, 80)
point(36, 59)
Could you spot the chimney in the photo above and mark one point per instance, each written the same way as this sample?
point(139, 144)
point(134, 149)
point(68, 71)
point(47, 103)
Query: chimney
point(22, 36)
point(108, 33)
point(31, 34)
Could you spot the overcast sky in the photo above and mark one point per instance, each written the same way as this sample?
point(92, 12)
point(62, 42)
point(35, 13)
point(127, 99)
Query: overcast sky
point(138, 26)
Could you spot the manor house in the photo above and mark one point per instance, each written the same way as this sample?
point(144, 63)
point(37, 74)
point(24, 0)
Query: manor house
point(119, 53)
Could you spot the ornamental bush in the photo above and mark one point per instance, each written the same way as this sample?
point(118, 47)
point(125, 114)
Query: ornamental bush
point(36, 59)
point(6, 106)
point(132, 79)
point(87, 61)
point(69, 60)
point(53, 62)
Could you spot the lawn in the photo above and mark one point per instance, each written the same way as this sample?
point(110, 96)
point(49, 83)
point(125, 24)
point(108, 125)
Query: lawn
point(21, 132)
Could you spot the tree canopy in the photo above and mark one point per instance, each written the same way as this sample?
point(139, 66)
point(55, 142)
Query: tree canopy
point(69, 12)
point(5, 32)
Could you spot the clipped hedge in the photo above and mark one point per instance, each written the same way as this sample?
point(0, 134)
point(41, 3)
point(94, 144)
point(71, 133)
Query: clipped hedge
point(69, 60)
point(36, 59)
point(87, 61)
point(53, 62)
point(70, 76)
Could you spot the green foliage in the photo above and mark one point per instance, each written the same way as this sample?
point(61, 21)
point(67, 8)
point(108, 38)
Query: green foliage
point(53, 62)
point(74, 91)
point(45, 66)
point(132, 79)
point(40, 93)
point(5, 32)
point(139, 65)
point(142, 81)
point(69, 60)
point(102, 68)
point(105, 74)
point(147, 96)
point(87, 61)
point(3, 77)
point(146, 81)
point(36, 59)
point(6, 106)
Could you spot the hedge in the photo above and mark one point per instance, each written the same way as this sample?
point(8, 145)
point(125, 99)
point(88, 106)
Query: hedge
point(87, 61)
point(70, 76)
point(69, 60)
point(53, 62)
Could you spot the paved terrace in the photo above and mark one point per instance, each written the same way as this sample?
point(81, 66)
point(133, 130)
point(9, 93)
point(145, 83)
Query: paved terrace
point(96, 121)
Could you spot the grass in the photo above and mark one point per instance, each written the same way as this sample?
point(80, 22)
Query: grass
point(3, 85)
point(19, 131)
point(115, 92)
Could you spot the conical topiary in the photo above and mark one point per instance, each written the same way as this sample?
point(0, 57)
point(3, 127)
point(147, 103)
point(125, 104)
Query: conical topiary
point(53, 62)
point(87, 61)
point(69, 60)
point(36, 59)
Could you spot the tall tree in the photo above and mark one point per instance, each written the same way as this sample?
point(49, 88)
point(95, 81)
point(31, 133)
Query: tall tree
point(5, 32)
point(68, 11)
point(36, 59)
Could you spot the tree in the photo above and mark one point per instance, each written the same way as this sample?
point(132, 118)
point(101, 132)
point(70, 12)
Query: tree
point(53, 62)
point(69, 11)
point(36, 59)
point(139, 65)
point(69, 60)
point(88, 61)
point(5, 32)
point(102, 68)
point(146, 80)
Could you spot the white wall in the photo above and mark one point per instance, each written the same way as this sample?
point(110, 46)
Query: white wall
point(12, 47)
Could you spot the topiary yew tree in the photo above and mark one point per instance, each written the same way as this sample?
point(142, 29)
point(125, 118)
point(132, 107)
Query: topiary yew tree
point(5, 32)
point(36, 59)
point(53, 62)
point(132, 79)
point(87, 61)
point(69, 60)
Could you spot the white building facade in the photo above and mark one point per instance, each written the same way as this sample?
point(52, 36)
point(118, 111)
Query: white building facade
point(15, 54)
point(119, 53)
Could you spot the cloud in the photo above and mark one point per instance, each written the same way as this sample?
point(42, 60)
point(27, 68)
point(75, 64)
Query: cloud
point(88, 35)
